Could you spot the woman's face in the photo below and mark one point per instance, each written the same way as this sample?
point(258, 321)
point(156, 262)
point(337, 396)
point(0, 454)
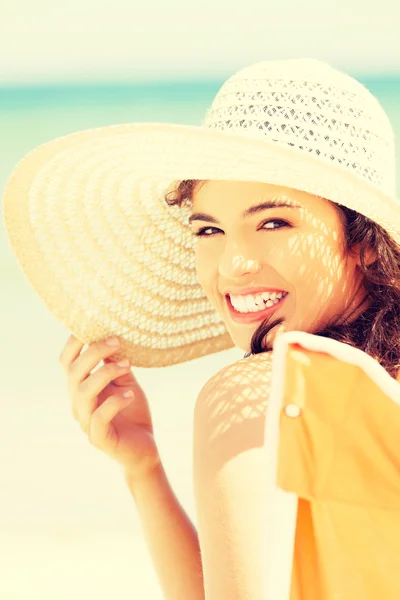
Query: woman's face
point(295, 251)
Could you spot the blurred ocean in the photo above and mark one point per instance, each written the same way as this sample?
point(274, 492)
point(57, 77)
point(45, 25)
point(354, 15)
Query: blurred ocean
point(67, 523)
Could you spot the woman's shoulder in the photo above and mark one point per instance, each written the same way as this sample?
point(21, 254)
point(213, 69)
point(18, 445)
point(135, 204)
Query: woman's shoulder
point(252, 370)
point(242, 385)
point(230, 412)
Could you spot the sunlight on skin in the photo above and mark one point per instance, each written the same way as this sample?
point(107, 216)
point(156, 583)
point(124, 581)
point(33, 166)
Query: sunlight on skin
point(305, 258)
point(249, 380)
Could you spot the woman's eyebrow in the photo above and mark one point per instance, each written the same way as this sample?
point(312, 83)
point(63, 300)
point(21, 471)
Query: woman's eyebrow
point(252, 210)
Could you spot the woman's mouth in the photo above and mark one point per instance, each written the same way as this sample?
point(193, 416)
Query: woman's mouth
point(256, 315)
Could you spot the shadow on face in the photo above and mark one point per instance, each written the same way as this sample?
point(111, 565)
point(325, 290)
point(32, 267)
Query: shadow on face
point(257, 234)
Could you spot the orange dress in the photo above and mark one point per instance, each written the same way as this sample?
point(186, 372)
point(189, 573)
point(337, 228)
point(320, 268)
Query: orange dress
point(341, 457)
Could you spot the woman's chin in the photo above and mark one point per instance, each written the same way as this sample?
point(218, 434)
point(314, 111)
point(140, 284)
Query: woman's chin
point(240, 343)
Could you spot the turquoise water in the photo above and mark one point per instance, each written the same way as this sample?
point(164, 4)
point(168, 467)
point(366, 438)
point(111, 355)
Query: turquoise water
point(67, 523)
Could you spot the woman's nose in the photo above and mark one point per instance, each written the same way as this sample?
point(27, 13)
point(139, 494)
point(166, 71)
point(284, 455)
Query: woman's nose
point(236, 263)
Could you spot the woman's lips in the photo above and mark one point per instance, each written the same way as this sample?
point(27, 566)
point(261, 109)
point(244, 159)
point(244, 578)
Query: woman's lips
point(252, 317)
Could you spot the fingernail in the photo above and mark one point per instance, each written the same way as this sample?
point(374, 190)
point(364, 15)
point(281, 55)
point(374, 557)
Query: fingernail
point(123, 363)
point(128, 394)
point(112, 341)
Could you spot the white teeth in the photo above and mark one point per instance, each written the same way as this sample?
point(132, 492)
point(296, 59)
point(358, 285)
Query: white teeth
point(256, 302)
point(241, 304)
point(249, 302)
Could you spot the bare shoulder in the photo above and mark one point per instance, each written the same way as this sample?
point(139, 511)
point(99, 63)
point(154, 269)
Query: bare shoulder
point(230, 409)
point(247, 378)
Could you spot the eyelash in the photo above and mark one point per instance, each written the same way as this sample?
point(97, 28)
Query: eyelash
point(201, 231)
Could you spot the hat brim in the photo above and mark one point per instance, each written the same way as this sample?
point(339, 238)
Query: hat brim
point(88, 224)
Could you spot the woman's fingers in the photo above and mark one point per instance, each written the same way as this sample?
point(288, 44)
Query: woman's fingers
point(70, 352)
point(100, 432)
point(86, 396)
point(83, 386)
point(97, 399)
point(88, 360)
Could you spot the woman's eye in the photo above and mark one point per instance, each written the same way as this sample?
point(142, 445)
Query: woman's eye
point(271, 224)
point(202, 231)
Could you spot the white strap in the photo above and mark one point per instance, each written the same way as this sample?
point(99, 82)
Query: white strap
point(281, 507)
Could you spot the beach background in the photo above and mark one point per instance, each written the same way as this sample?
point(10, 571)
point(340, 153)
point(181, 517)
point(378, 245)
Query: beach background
point(68, 525)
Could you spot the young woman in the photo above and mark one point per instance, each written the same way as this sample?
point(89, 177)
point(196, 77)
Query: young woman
point(282, 216)
point(334, 272)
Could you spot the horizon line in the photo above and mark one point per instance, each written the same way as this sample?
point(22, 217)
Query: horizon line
point(23, 85)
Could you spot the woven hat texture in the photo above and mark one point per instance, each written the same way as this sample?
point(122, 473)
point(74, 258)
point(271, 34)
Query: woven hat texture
point(88, 223)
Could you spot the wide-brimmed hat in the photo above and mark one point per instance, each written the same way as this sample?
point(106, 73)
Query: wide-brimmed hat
point(88, 222)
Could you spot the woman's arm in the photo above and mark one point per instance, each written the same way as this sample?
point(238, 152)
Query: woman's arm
point(170, 535)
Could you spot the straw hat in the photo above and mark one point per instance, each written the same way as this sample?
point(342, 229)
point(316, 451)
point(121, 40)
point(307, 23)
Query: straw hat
point(88, 223)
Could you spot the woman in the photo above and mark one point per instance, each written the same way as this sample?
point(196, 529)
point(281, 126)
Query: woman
point(282, 216)
point(335, 270)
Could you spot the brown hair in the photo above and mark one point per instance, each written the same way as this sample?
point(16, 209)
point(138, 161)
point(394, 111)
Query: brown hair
point(377, 330)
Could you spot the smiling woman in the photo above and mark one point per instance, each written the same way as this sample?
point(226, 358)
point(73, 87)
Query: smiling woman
point(292, 223)
point(337, 269)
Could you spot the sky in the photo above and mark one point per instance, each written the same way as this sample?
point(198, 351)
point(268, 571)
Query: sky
point(83, 40)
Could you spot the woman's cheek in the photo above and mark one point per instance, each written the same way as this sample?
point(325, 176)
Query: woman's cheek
point(206, 266)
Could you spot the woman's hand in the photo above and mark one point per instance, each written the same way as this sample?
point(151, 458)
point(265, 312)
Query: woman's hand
point(119, 426)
